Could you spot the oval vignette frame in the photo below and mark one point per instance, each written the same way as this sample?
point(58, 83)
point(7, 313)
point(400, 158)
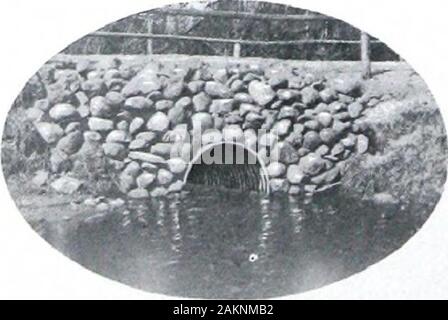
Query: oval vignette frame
point(383, 199)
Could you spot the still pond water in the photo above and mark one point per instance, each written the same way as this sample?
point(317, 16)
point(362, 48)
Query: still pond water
point(224, 244)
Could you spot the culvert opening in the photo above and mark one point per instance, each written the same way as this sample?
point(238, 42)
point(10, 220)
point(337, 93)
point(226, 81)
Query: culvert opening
point(228, 165)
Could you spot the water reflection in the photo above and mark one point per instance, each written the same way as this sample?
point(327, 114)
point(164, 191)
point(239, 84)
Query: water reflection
point(175, 228)
point(296, 214)
point(225, 244)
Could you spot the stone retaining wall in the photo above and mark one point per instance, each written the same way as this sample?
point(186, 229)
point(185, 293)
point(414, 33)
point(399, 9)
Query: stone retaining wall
point(144, 123)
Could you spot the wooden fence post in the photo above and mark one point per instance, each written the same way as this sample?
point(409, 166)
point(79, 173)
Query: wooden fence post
point(237, 50)
point(149, 23)
point(365, 56)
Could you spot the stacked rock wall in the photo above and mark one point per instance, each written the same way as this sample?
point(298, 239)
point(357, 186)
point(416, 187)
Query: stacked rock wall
point(302, 128)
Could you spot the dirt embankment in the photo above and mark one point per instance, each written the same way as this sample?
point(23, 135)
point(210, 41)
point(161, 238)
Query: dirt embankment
point(410, 158)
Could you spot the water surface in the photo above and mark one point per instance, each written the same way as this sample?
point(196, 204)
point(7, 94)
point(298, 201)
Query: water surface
point(213, 243)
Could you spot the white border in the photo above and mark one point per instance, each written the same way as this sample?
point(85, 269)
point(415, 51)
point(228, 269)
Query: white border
point(33, 31)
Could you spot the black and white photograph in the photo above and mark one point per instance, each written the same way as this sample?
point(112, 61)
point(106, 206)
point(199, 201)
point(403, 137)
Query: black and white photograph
point(225, 150)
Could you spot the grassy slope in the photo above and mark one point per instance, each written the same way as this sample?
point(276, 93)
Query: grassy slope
point(410, 140)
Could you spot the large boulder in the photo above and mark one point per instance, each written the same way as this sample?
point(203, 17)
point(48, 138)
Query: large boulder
point(312, 125)
point(340, 128)
point(114, 150)
point(56, 93)
point(362, 144)
point(132, 168)
point(84, 111)
point(328, 95)
point(279, 185)
point(173, 89)
point(295, 139)
point(221, 75)
point(184, 102)
point(92, 137)
point(99, 107)
point(66, 185)
point(253, 120)
point(34, 114)
point(355, 109)
point(138, 103)
point(312, 164)
point(164, 105)
point(327, 135)
point(261, 92)
point(42, 104)
point(325, 119)
point(50, 132)
point(114, 99)
point(177, 165)
point(196, 86)
point(295, 174)
point(136, 125)
point(202, 121)
point(201, 102)
point(161, 149)
point(176, 186)
point(288, 94)
point(142, 84)
point(145, 180)
point(138, 194)
point(146, 157)
point(287, 112)
point(59, 161)
point(94, 87)
point(337, 150)
point(284, 152)
point(278, 82)
point(159, 122)
point(182, 150)
point(126, 182)
point(159, 192)
point(217, 90)
point(310, 96)
point(138, 144)
point(282, 127)
point(311, 140)
point(164, 177)
point(99, 124)
point(276, 169)
point(347, 84)
point(72, 126)
point(63, 112)
point(71, 143)
point(40, 178)
point(118, 136)
point(177, 114)
point(222, 106)
point(148, 136)
point(349, 141)
point(233, 118)
point(237, 85)
point(246, 108)
point(243, 97)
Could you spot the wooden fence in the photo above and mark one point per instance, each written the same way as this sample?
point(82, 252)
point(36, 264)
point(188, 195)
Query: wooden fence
point(364, 41)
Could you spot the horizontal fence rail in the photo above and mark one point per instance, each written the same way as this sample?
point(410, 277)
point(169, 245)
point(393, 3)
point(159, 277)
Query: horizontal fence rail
point(219, 40)
point(364, 42)
point(241, 15)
